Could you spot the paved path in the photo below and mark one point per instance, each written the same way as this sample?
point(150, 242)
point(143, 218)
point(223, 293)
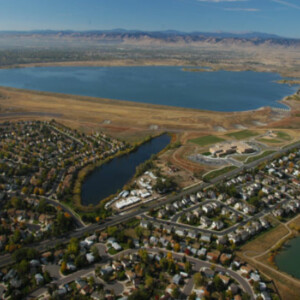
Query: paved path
point(77, 220)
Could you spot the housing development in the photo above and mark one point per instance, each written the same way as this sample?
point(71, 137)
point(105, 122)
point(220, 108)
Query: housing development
point(179, 244)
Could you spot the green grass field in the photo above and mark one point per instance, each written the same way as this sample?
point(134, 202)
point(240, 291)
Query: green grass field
point(254, 158)
point(206, 153)
point(272, 141)
point(289, 145)
point(207, 140)
point(283, 136)
point(280, 138)
point(213, 174)
point(244, 134)
point(240, 157)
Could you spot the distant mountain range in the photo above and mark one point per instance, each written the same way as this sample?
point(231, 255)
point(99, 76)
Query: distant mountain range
point(157, 37)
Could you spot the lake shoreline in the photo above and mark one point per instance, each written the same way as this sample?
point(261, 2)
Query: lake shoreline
point(165, 63)
point(86, 171)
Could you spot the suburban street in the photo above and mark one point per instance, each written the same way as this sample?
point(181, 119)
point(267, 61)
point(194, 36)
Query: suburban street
point(197, 264)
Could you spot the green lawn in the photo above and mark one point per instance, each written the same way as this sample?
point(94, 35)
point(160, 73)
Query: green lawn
point(240, 157)
point(283, 136)
point(244, 134)
point(112, 251)
point(206, 153)
point(272, 141)
point(207, 140)
point(216, 173)
point(264, 154)
point(289, 145)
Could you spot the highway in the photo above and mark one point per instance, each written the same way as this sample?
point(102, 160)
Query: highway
point(117, 219)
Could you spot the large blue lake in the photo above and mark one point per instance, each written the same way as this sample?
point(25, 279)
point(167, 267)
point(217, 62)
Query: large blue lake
point(218, 91)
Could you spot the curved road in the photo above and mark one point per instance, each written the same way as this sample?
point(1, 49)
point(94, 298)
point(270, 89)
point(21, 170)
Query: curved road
point(118, 288)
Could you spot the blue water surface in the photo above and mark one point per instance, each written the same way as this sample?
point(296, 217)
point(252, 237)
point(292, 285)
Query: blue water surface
point(217, 91)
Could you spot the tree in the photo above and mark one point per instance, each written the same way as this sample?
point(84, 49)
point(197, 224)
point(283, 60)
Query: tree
point(16, 202)
point(25, 253)
point(121, 275)
point(52, 287)
point(175, 293)
point(80, 261)
point(47, 276)
point(112, 230)
point(169, 256)
point(188, 267)
point(23, 267)
point(198, 279)
point(171, 267)
point(149, 282)
point(163, 263)
point(73, 247)
point(161, 277)
point(255, 201)
point(17, 236)
point(130, 244)
point(143, 255)
point(138, 295)
point(246, 296)
point(177, 247)
point(24, 190)
point(218, 284)
point(43, 206)
point(260, 194)
point(139, 231)
point(63, 267)
point(50, 290)
point(91, 281)
point(95, 252)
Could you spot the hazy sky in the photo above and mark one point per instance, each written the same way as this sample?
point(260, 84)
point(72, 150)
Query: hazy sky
point(273, 16)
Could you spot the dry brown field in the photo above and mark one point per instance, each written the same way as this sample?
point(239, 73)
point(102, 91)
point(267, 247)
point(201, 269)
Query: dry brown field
point(127, 119)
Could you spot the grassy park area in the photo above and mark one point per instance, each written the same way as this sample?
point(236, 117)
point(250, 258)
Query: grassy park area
point(213, 174)
point(207, 140)
point(254, 158)
point(241, 135)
